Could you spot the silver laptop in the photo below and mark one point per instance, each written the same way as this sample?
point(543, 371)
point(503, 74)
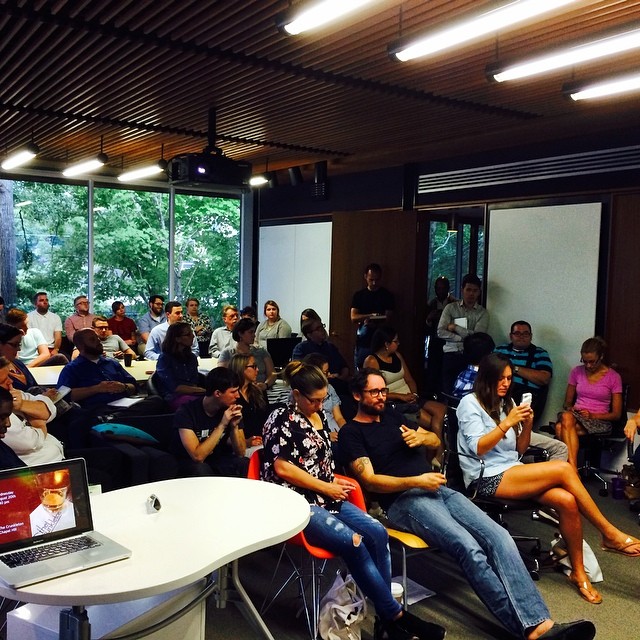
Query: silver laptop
point(46, 528)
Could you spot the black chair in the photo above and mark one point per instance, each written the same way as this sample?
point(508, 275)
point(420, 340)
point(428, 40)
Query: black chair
point(280, 350)
point(593, 444)
point(494, 507)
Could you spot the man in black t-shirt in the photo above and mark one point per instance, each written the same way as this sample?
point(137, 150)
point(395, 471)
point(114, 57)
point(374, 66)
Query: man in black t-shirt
point(370, 307)
point(386, 455)
point(208, 438)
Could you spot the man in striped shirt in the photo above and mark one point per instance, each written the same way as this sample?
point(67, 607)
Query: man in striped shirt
point(532, 368)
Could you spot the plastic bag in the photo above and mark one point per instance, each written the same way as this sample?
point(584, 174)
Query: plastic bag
point(342, 610)
point(591, 565)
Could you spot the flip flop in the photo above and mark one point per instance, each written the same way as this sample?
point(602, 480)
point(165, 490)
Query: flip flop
point(586, 590)
point(623, 548)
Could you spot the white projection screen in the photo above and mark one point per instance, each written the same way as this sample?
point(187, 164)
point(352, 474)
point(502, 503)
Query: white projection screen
point(542, 266)
point(295, 269)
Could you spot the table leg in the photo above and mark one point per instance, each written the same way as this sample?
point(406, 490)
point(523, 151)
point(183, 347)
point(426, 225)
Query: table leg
point(74, 624)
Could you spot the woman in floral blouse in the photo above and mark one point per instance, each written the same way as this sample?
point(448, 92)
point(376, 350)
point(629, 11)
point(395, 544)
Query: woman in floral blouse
point(297, 455)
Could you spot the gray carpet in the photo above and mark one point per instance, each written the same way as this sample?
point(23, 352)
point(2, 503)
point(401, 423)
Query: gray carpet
point(456, 606)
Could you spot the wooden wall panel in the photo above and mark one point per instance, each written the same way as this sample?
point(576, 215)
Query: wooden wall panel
point(623, 302)
point(392, 239)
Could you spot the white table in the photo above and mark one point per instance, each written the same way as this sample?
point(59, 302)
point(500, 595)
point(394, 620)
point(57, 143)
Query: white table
point(139, 369)
point(203, 524)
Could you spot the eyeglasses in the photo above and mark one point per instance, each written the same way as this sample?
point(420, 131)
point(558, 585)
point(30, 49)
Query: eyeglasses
point(590, 363)
point(15, 345)
point(318, 327)
point(521, 334)
point(251, 366)
point(375, 393)
point(102, 328)
point(314, 400)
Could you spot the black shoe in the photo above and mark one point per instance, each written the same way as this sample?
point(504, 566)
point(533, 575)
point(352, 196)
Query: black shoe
point(424, 630)
point(390, 630)
point(577, 630)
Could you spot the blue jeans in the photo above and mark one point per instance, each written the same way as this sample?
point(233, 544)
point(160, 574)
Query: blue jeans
point(369, 561)
point(484, 550)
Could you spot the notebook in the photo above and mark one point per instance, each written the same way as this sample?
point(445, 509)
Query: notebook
point(280, 350)
point(45, 510)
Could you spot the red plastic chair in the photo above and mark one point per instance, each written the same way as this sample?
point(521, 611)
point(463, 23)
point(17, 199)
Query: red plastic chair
point(311, 606)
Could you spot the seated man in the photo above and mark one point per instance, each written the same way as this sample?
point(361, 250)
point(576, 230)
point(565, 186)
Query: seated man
point(80, 318)
point(173, 313)
point(222, 337)
point(476, 347)
point(47, 321)
point(316, 342)
point(387, 458)
point(114, 346)
point(34, 350)
point(532, 367)
point(208, 438)
point(120, 324)
point(149, 320)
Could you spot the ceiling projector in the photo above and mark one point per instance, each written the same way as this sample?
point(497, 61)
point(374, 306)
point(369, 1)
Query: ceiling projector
point(197, 169)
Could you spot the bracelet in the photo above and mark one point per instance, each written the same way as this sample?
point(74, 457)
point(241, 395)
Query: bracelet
point(504, 432)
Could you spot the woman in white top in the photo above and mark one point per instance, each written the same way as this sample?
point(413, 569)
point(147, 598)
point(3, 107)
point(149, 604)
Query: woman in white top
point(273, 327)
point(492, 428)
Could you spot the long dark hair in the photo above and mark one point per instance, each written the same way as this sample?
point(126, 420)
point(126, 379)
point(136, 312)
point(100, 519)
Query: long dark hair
point(170, 344)
point(309, 314)
point(382, 336)
point(485, 386)
point(238, 364)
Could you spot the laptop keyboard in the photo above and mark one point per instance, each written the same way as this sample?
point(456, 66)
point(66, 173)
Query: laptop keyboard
point(38, 554)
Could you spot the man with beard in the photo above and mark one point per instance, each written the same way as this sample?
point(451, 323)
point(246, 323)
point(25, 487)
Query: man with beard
point(387, 457)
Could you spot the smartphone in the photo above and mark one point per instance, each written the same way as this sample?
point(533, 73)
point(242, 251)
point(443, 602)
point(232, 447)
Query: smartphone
point(62, 392)
point(526, 399)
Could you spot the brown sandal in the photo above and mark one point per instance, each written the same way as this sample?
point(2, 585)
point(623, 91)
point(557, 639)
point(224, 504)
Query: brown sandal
point(586, 590)
point(623, 547)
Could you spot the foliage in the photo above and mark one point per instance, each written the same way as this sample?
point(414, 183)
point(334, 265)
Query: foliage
point(131, 247)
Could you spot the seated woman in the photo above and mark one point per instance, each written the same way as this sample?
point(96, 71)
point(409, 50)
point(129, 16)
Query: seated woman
point(120, 324)
point(297, 455)
point(244, 334)
point(593, 398)
point(308, 314)
point(402, 387)
point(200, 325)
point(491, 427)
point(273, 327)
point(10, 339)
point(177, 369)
point(253, 399)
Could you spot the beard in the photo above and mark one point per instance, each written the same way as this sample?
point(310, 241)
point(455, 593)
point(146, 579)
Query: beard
point(94, 351)
point(372, 410)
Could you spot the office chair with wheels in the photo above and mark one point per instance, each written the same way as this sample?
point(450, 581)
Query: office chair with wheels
point(593, 444)
point(316, 557)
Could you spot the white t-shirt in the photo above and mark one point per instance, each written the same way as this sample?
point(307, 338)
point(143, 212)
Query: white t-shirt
point(29, 345)
point(48, 323)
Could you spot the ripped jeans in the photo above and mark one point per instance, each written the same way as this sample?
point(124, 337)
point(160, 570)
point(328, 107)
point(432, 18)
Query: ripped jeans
point(367, 559)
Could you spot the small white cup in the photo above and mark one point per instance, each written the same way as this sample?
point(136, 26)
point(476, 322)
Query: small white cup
point(397, 591)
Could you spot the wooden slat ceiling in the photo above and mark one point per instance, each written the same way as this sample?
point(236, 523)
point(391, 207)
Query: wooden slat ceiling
point(144, 73)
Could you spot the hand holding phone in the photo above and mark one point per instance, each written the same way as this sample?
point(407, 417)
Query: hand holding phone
point(526, 398)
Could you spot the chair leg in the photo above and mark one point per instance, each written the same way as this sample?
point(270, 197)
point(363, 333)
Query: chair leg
point(405, 604)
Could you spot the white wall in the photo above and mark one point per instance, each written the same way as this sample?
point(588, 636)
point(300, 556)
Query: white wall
point(543, 268)
point(295, 270)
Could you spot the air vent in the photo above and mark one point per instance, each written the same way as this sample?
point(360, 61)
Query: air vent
point(620, 159)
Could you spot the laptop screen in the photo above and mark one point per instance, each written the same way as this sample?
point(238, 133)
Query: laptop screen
point(43, 503)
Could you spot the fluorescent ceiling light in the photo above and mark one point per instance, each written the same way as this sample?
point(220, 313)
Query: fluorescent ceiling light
point(258, 181)
point(142, 172)
point(85, 167)
point(20, 157)
point(614, 86)
point(318, 14)
point(573, 55)
point(484, 24)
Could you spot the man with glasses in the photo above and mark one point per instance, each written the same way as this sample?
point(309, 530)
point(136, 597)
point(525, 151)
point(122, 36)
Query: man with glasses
point(114, 346)
point(386, 455)
point(80, 319)
point(532, 368)
point(316, 342)
point(222, 337)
